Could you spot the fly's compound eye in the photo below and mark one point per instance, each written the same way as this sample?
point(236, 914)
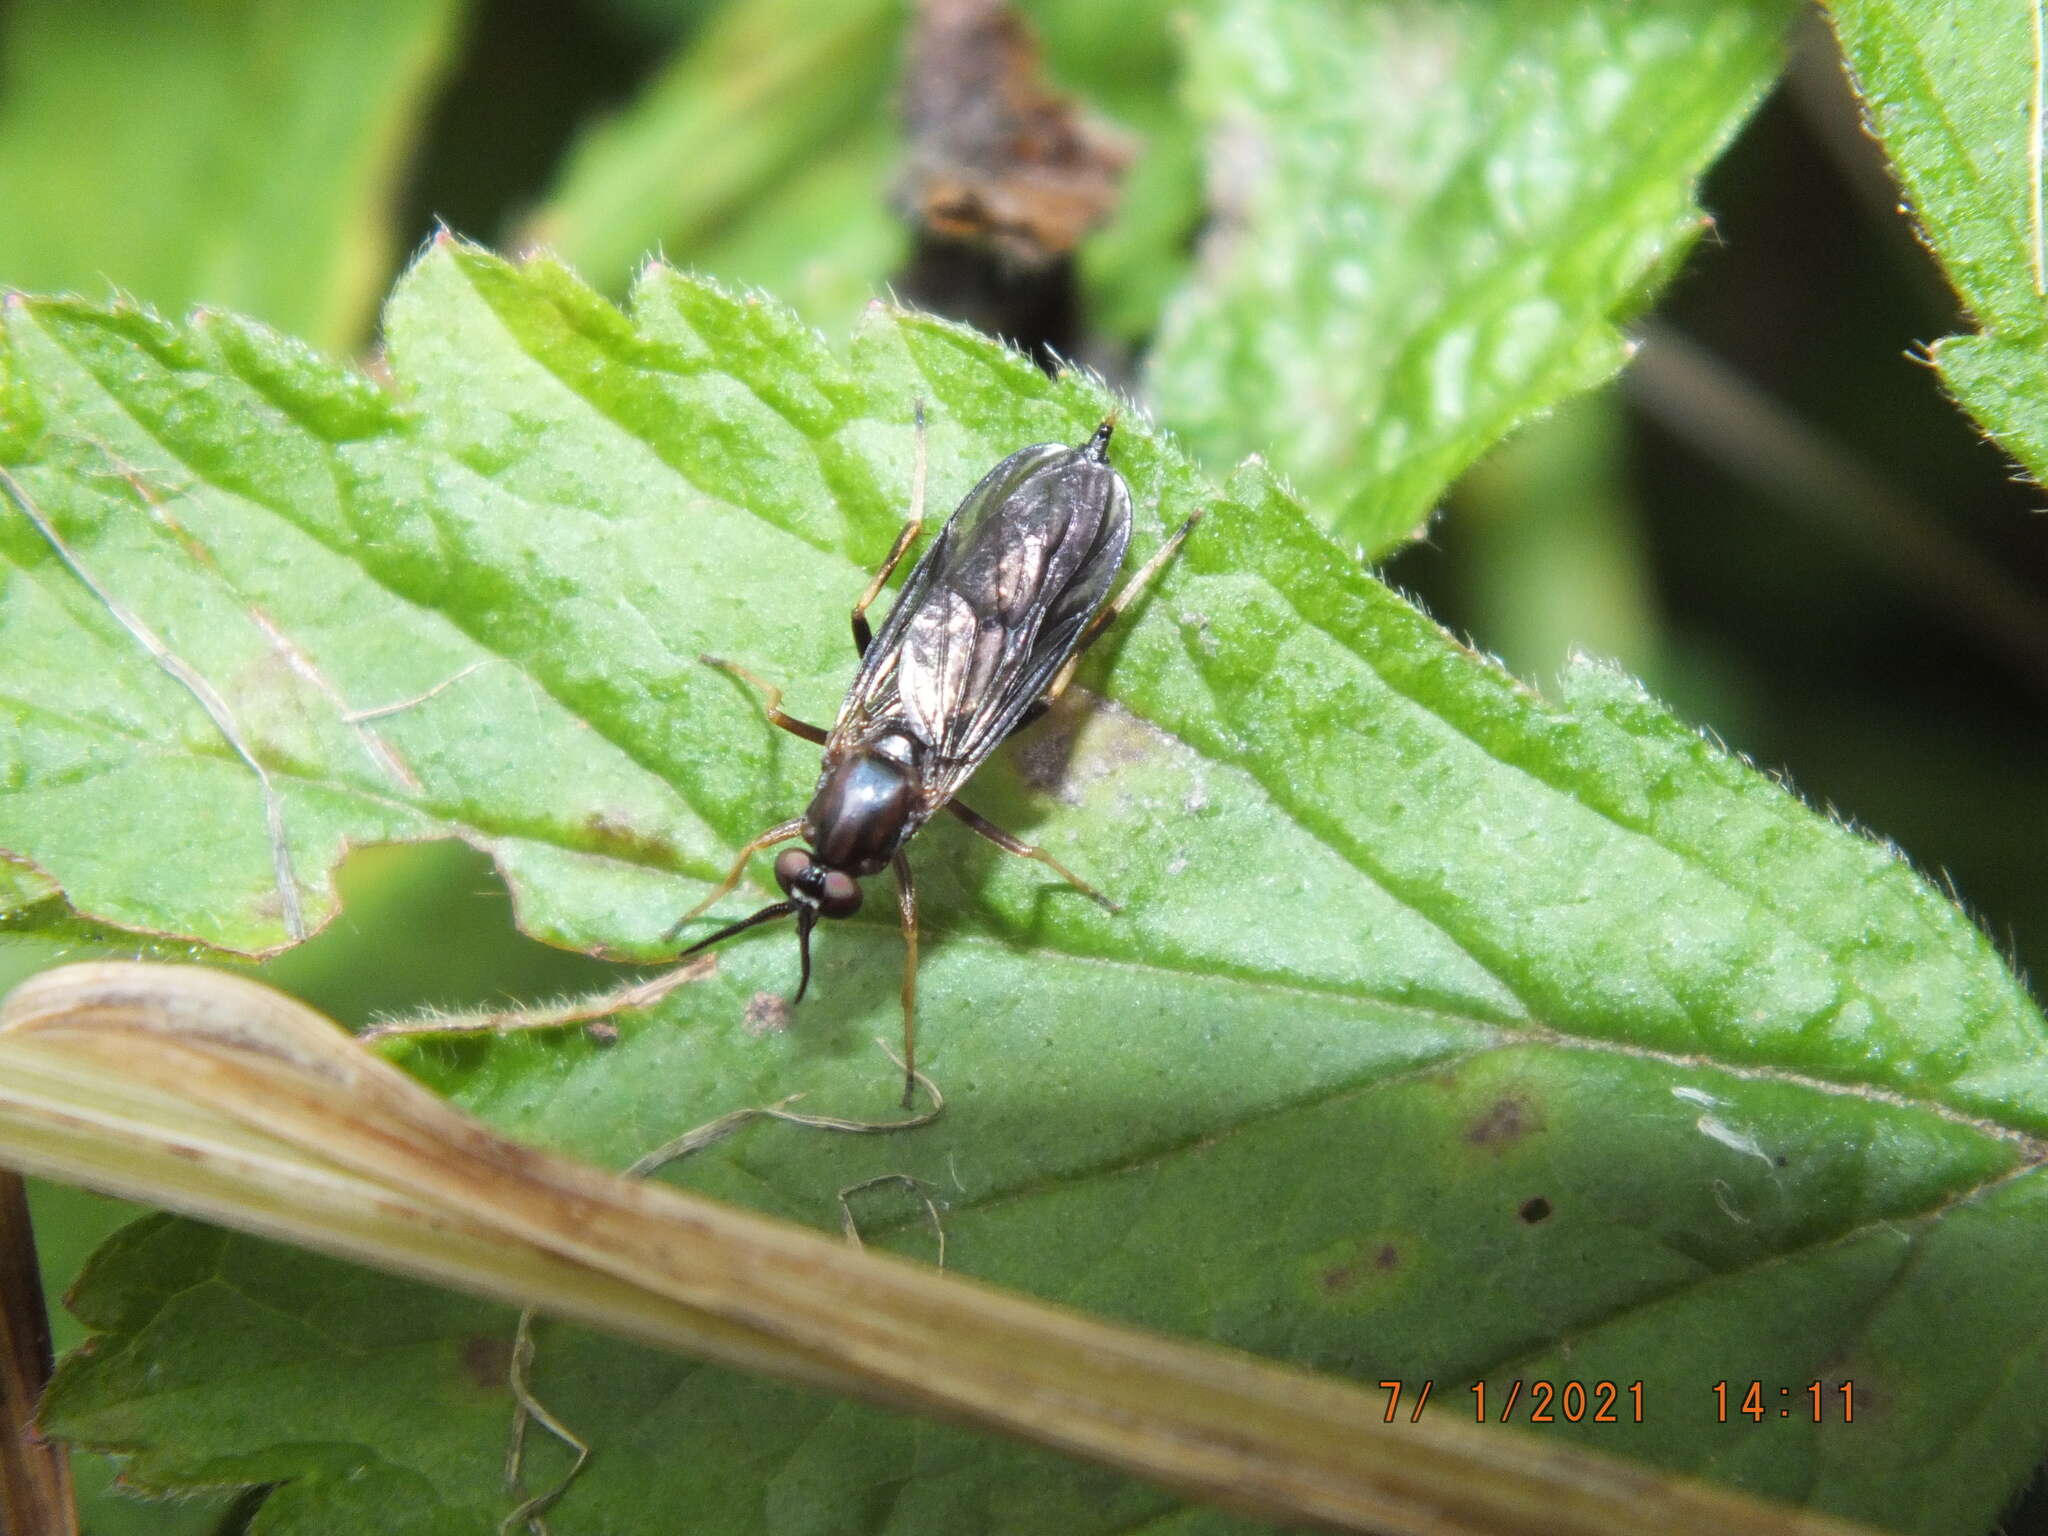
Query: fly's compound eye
point(840, 895)
point(791, 866)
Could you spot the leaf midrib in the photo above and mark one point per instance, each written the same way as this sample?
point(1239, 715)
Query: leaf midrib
point(2035, 1153)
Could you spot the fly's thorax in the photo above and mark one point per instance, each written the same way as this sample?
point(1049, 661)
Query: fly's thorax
point(864, 808)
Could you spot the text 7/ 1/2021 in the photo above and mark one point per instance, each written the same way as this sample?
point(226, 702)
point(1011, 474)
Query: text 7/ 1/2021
point(1538, 1402)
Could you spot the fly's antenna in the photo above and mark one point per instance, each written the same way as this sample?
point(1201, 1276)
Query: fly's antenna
point(767, 914)
point(806, 920)
point(1096, 449)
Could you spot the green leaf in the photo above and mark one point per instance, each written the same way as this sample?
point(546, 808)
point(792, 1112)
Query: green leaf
point(69, 1223)
point(1448, 1033)
point(240, 153)
point(22, 889)
point(1955, 93)
point(1428, 219)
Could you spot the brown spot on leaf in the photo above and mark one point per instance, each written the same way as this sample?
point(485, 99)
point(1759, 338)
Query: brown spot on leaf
point(767, 1013)
point(1339, 1279)
point(487, 1359)
point(1044, 751)
point(1535, 1210)
point(618, 837)
point(1052, 758)
point(1505, 1121)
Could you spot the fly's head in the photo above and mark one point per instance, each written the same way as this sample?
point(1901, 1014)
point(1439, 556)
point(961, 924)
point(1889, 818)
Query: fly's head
point(862, 813)
point(865, 808)
point(826, 891)
point(811, 889)
point(814, 889)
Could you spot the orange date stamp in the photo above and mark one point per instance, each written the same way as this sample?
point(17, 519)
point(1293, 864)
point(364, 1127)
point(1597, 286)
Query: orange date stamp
point(1531, 1402)
point(1542, 1401)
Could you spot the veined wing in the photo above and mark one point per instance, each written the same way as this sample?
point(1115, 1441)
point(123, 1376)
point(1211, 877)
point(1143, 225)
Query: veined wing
point(996, 606)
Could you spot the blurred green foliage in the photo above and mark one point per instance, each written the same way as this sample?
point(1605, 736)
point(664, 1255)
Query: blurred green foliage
point(240, 153)
point(768, 90)
point(280, 158)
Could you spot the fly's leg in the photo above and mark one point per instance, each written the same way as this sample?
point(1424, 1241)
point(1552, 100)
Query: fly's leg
point(1141, 581)
point(1107, 617)
point(863, 637)
point(781, 832)
point(771, 701)
point(1024, 850)
point(906, 901)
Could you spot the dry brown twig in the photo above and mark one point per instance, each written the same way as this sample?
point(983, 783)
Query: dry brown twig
point(214, 1095)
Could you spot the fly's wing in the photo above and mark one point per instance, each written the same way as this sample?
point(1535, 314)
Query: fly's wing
point(996, 606)
point(1031, 557)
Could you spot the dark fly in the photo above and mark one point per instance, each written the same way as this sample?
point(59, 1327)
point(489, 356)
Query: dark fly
point(985, 634)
